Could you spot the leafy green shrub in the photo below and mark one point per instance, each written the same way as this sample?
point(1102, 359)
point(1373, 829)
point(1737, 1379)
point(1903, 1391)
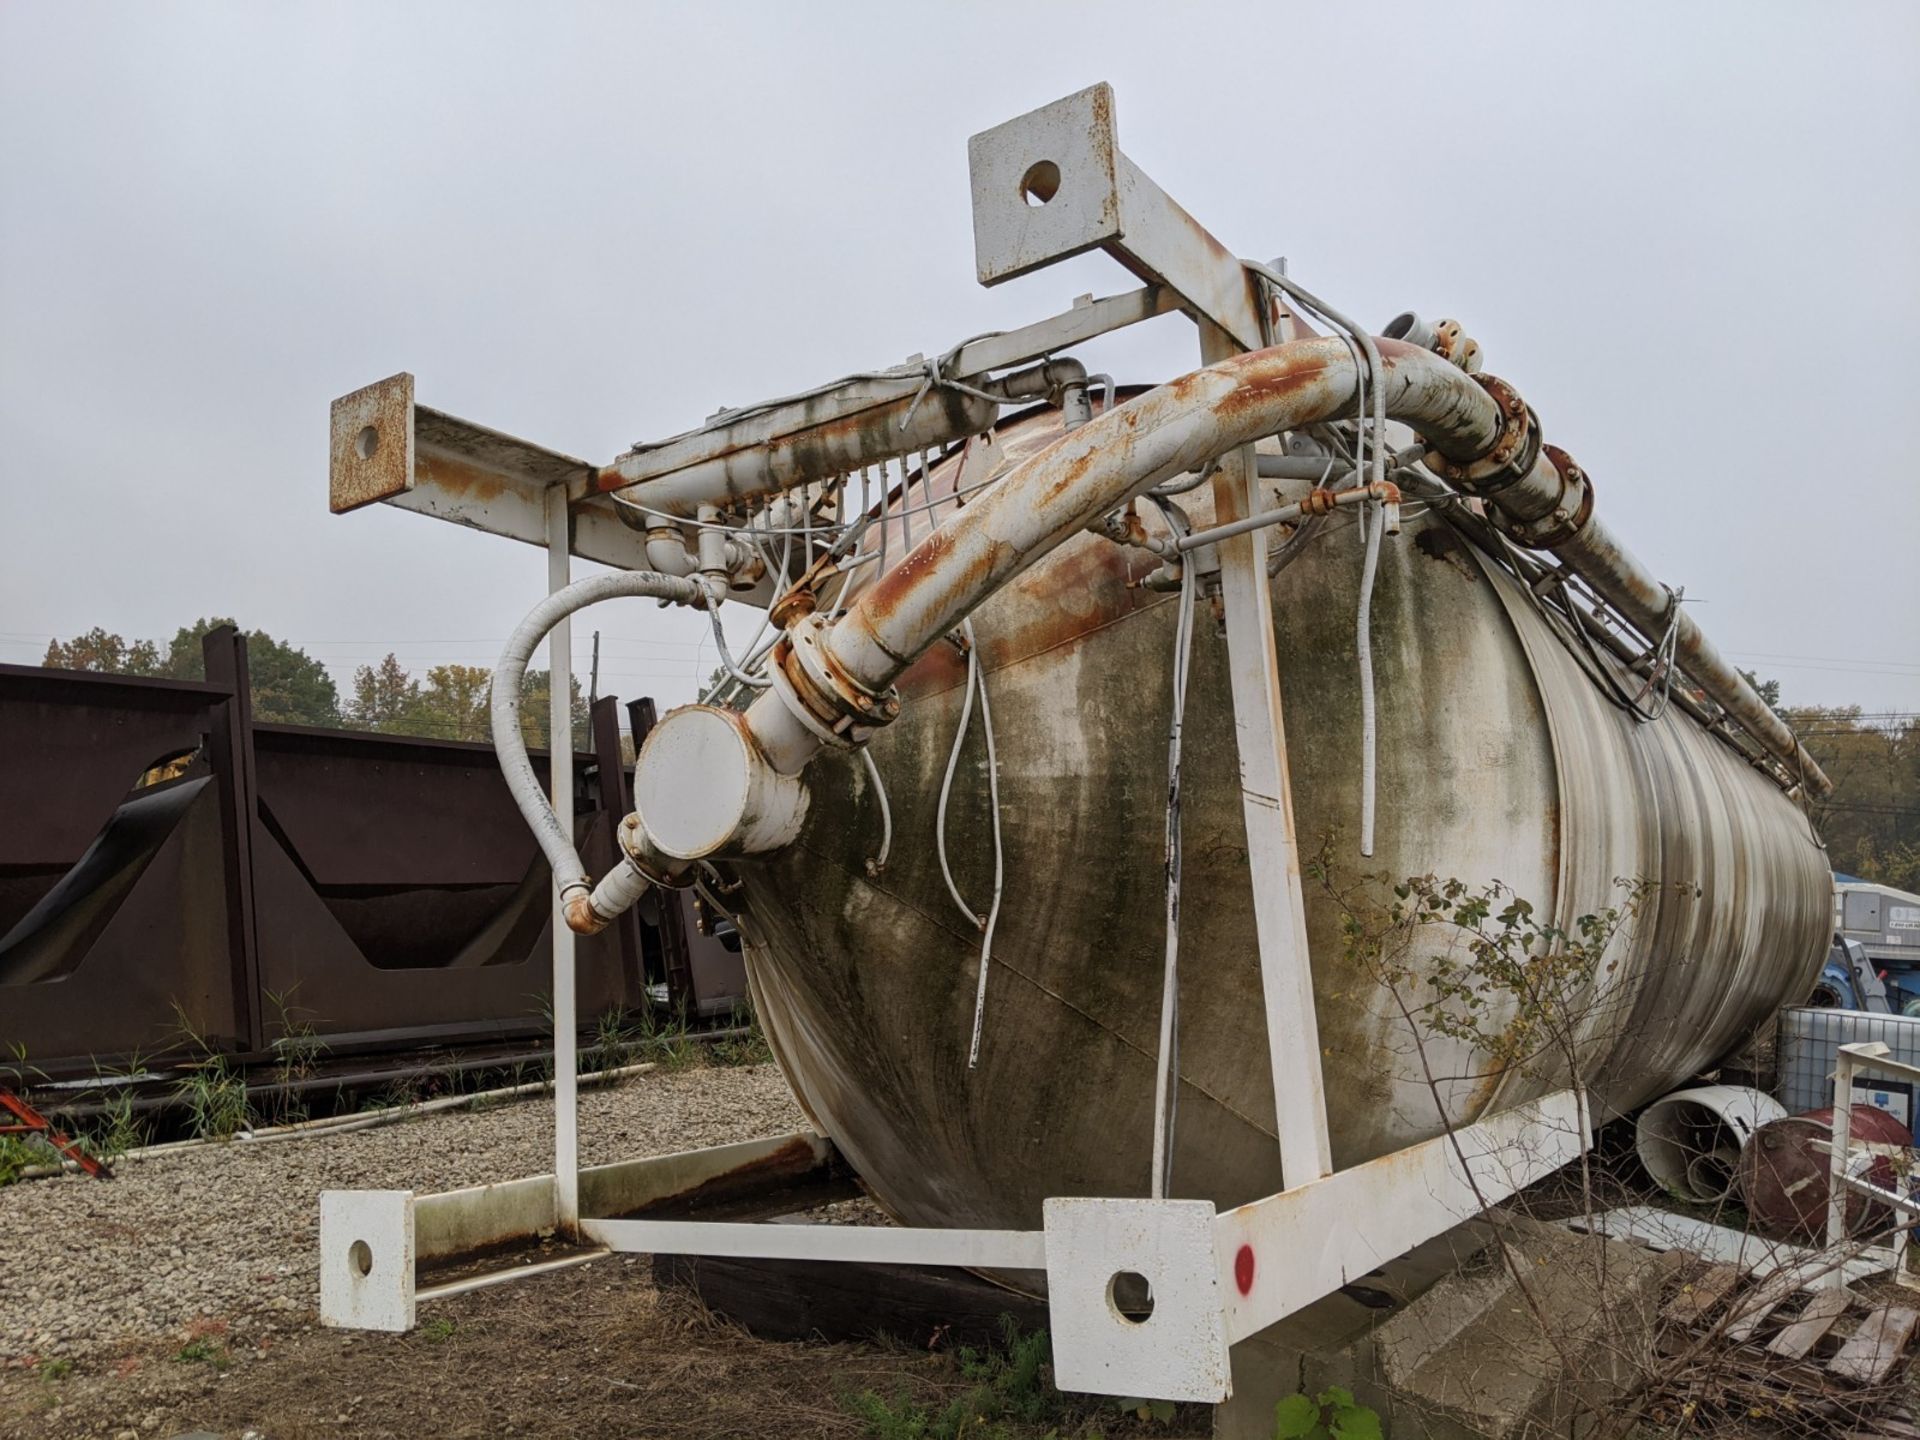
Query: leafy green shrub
point(1333, 1414)
point(16, 1155)
point(1007, 1386)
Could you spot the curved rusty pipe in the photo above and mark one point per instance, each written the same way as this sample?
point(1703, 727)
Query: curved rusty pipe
point(1091, 471)
point(1477, 429)
point(833, 682)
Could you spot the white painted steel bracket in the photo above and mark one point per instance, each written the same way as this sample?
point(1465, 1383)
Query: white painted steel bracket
point(1284, 1252)
point(373, 1241)
point(1054, 183)
point(1179, 1350)
point(1215, 1278)
point(385, 448)
point(366, 1259)
point(1266, 802)
point(1218, 1279)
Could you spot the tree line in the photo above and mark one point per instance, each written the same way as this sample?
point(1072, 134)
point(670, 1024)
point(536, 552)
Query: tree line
point(290, 687)
point(1871, 822)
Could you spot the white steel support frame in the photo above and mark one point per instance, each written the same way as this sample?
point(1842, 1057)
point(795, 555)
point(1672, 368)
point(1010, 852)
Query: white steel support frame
point(1266, 796)
point(566, 1110)
point(1046, 186)
point(1841, 1179)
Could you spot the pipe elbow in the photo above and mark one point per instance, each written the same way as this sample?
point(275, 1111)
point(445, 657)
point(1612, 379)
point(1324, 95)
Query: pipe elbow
point(667, 551)
point(582, 918)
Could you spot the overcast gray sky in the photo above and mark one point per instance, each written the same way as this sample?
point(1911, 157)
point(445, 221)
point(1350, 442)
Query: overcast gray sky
point(1690, 234)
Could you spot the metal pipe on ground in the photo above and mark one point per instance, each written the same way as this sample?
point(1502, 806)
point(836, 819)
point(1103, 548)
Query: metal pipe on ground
point(347, 1124)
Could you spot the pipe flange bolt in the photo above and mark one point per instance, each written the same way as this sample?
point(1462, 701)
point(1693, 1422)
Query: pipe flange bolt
point(638, 849)
point(823, 696)
point(1513, 453)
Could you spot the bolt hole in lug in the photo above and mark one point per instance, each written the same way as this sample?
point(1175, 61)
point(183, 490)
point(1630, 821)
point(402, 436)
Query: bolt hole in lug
point(366, 442)
point(360, 1257)
point(1041, 183)
point(1130, 1297)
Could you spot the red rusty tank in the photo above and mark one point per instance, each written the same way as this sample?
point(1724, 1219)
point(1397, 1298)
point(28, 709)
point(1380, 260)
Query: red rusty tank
point(1783, 1173)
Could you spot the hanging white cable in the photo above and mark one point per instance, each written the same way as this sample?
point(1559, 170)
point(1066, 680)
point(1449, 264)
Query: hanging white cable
point(1166, 1071)
point(1369, 379)
point(1375, 522)
point(999, 867)
point(757, 682)
point(906, 505)
point(946, 786)
point(879, 862)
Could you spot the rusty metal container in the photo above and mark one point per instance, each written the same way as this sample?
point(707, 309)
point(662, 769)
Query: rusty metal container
point(1784, 1173)
point(1499, 759)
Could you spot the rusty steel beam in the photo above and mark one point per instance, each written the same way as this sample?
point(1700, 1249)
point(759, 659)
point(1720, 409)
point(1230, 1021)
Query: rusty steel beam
point(384, 447)
point(827, 431)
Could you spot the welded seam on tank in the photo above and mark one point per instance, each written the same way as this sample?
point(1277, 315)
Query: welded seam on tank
point(1012, 969)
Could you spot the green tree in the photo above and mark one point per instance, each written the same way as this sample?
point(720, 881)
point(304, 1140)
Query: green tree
point(1871, 821)
point(289, 686)
point(453, 704)
point(384, 696)
point(103, 651)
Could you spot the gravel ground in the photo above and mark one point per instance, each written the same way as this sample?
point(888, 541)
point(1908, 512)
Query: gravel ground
point(179, 1298)
point(228, 1235)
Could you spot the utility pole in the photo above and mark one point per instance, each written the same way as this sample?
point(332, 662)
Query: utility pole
point(593, 675)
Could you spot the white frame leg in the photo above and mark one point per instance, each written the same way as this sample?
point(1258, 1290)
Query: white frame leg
point(566, 1119)
point(1266, 794)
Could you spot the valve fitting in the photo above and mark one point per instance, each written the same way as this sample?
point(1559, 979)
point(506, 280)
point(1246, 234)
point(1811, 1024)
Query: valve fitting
point(823, 697)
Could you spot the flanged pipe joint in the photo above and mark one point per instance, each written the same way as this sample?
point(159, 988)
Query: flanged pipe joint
point(711, 783)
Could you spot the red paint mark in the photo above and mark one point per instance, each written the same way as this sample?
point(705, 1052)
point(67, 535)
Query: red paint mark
point(1243, 1269)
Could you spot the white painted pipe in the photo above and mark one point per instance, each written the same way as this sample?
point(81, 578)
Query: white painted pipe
point(555, 838)
point(346, 1124)
point(1678, 1130)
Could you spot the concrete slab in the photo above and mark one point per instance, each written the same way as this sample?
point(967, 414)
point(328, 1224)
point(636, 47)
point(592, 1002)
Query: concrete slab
point(1445, 1345)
